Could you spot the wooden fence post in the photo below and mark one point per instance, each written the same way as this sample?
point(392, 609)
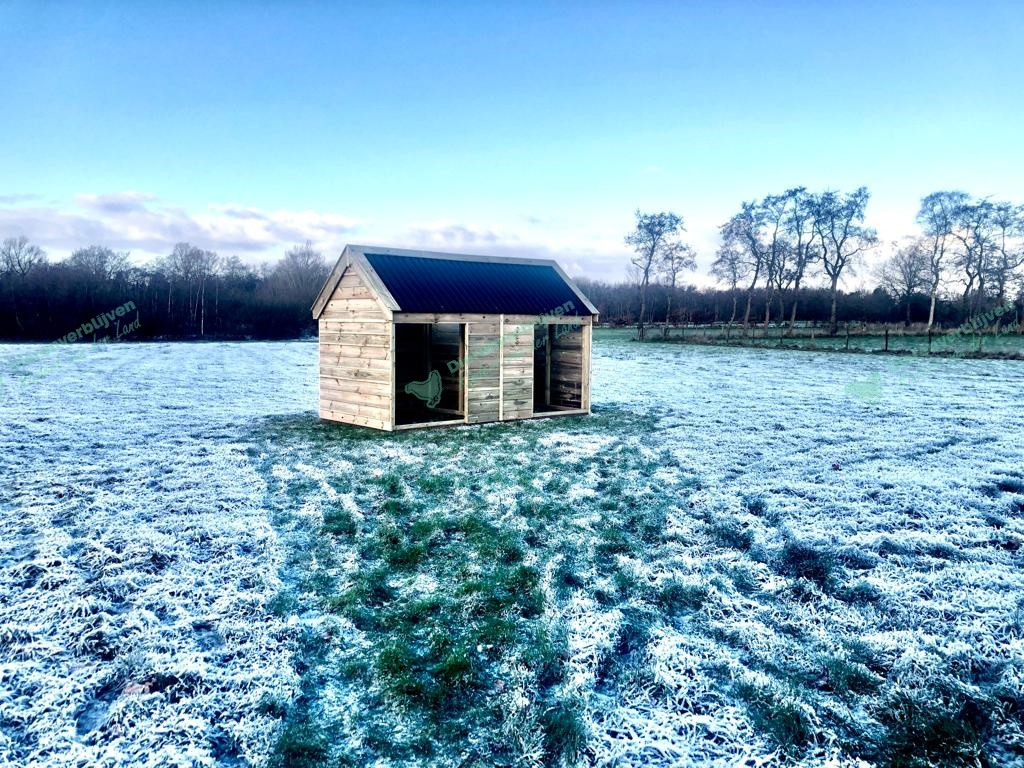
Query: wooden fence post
point(887, 338)
point(847, 335)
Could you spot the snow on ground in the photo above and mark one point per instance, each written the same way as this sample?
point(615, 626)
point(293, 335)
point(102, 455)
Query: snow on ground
point(140, 559)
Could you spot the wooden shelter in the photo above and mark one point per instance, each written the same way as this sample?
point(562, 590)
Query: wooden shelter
point(415, 339)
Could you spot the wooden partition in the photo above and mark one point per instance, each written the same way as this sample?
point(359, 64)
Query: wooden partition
point(517, 371)
point(482, 369)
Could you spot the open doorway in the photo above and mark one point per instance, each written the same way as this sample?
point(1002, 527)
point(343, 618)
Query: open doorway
point(425, 388)
point(557, 367)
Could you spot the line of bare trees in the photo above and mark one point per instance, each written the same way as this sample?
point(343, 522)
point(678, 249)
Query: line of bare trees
point(771, 249)
point(973, 248)
point(783, 240)
point(190, 293)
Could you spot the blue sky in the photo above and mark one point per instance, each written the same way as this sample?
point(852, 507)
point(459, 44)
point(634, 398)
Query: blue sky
point(486, 127)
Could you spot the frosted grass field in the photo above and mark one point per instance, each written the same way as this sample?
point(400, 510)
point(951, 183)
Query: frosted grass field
point(732, 562)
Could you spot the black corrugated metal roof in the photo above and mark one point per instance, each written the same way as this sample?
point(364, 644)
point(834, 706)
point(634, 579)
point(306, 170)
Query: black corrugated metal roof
point(430, 284)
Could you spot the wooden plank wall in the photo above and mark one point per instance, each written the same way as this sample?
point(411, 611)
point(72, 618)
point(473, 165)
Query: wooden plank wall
point(483, 391)
point(517, 371)
point(567, 369)
point(355, 357)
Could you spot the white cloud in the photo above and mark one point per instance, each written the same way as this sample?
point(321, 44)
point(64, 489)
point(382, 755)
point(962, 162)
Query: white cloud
point(139, 222)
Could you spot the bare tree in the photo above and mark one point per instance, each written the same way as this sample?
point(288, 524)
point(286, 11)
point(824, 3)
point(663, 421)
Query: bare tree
point(99, 262)
point(742, 233)
point(233, 268)
point(799, 227)
point(19, 257)
point(207, 267)
point(731, 268)
point(302, 271)
point(772, 216)
point(1008, 253)
point(839, 225)
point(194, 267)
point(938, 218)
point(96, 266)
point(655, 233)
point(906, 271)
point(975, 231)
point(674, 259)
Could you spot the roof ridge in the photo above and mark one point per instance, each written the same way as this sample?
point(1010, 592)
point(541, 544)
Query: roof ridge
point(420, 253)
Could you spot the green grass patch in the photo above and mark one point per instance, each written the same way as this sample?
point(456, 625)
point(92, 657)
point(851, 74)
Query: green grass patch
point(805, 560)
point(340, 522)
point(675, 597)
point(934, 725)
point(780, 713)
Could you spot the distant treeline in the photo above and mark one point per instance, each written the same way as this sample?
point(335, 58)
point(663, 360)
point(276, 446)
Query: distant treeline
point(190, 294)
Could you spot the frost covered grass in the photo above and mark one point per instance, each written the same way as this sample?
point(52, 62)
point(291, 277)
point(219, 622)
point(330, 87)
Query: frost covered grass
point(732, 562)
point(137, 561)
point(700, 573)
